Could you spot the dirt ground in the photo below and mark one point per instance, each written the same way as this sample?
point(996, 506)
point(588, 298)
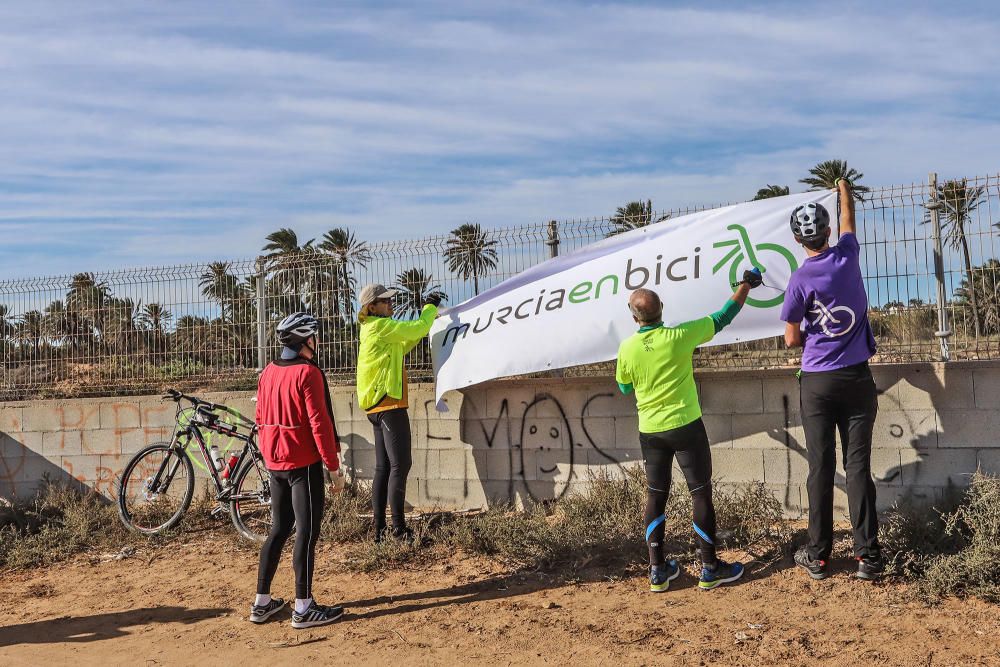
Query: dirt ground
point(188, 604)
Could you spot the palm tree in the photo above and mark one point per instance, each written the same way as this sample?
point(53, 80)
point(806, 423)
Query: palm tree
point(634, 215)
point(771, 191)
point(415, 287)
point(31, 328)
point(58, 324)
point(285, 242)
point(958, 201)
point(825, 175)
point(470, 253)
point(191, 338)
point(218, 284)
point(350, 252)
point(155, 319)
point(285, 260)
point(123, 323)
point(980, 292)
point(6, 321)
point(87, 299)
point(8, 326)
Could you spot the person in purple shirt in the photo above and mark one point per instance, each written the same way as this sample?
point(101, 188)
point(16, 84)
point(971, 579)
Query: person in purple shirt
point(826, 313)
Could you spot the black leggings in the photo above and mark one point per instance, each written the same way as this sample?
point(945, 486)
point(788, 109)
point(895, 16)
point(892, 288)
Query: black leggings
point(296, 502)
point(392, 465)
point(690, 444)
point(846, 401)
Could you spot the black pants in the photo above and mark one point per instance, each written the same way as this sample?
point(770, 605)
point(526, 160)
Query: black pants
point(296, 502)
point(843, 400)
point(392, 464)
point(690, 444)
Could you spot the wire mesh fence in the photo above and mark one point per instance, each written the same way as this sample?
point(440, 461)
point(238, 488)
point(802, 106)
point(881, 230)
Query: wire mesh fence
point(211, 325)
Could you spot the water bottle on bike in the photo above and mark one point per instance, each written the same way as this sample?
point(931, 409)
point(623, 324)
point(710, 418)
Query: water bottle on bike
point(216, 456)
point(230, 465)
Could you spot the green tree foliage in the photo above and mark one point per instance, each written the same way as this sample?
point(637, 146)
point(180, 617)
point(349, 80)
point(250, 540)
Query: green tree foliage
point(825, 174)
point(470, 253)
point(771, 191)
point(634, 215)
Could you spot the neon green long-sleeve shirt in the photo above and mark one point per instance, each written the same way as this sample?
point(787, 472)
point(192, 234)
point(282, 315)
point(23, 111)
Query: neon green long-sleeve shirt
point(656, 363)
point(384, 343)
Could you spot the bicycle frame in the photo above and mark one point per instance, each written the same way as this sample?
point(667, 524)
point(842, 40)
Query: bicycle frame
point(224, 493)
point(193, 430)
point(742, 245)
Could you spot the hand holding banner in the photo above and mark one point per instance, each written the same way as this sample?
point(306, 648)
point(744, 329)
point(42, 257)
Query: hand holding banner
point(572, 309)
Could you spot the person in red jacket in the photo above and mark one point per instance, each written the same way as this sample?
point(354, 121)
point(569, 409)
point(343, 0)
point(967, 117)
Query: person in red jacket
point(297, 438)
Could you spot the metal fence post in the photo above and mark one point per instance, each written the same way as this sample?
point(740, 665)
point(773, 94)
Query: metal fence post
point(553, 241)
point(933, 208)
point(261, 329)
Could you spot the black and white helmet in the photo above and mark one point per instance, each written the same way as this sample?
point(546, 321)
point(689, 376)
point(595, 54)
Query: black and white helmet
point(296, 329)
point(810, 221)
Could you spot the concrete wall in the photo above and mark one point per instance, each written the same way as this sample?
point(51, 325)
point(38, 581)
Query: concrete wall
point(537, 439)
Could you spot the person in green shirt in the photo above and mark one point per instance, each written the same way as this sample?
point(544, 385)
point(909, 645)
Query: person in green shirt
point(382, 394)
point(656, 365)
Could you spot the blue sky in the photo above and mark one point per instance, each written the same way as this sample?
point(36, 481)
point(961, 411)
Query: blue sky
point(140, 133)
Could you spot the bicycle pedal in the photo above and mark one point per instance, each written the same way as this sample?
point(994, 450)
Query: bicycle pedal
point(219, 510)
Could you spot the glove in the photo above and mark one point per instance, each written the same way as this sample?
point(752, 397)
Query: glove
point(433, 300)
point(753, 278)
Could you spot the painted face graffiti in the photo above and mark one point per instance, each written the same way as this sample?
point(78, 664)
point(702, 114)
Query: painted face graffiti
point(547, 450)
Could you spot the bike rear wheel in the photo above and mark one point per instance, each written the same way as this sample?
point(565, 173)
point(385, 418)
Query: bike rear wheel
point(155, 489)
point(777, 266)
point(250, 502)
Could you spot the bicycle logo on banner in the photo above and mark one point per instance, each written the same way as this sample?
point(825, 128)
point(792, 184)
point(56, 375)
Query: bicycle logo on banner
point(742, 247)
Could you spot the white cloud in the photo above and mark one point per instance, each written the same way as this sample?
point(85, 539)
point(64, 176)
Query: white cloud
point(130, 127)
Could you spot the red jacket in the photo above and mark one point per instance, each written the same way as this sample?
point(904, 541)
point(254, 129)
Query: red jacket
point(295, 416)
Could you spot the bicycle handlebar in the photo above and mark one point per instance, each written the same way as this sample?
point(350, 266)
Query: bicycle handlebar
point(198, 403)
point(177, 397)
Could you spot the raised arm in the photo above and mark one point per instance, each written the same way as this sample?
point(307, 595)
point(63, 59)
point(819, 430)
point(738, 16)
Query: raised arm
point(741, 293)
point(409, 331)
point(722, 318)
point(847, 224)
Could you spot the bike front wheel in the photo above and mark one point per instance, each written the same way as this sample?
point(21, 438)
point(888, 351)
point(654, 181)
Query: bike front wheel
point(155, 489)
point(250, 502)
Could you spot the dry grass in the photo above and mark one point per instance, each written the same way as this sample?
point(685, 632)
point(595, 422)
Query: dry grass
point(952, 549)
point(604, 525)
point(974, 568)
point(60, 522)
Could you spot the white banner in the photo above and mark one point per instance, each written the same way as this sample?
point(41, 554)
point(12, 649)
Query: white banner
point(573, 309)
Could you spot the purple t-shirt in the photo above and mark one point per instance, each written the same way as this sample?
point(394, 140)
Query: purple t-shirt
point(828, 295)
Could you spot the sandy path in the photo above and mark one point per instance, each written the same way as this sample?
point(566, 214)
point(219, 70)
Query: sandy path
point(178, 611)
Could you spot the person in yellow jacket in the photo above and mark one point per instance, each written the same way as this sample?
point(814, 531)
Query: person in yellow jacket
point(382, 395)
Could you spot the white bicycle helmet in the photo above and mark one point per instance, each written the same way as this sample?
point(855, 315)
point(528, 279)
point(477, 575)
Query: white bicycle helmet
point(810, 221)
point(296, 329)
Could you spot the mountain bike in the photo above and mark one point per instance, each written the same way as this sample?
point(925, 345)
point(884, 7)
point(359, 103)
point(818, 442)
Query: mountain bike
point(157, 485)
point(743, 247)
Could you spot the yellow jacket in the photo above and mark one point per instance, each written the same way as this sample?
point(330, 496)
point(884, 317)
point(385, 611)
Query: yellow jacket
point(384, 342)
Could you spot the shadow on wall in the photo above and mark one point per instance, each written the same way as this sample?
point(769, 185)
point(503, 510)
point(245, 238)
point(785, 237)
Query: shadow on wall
point(358, 457)
point(924, 441)
point(23, 469)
